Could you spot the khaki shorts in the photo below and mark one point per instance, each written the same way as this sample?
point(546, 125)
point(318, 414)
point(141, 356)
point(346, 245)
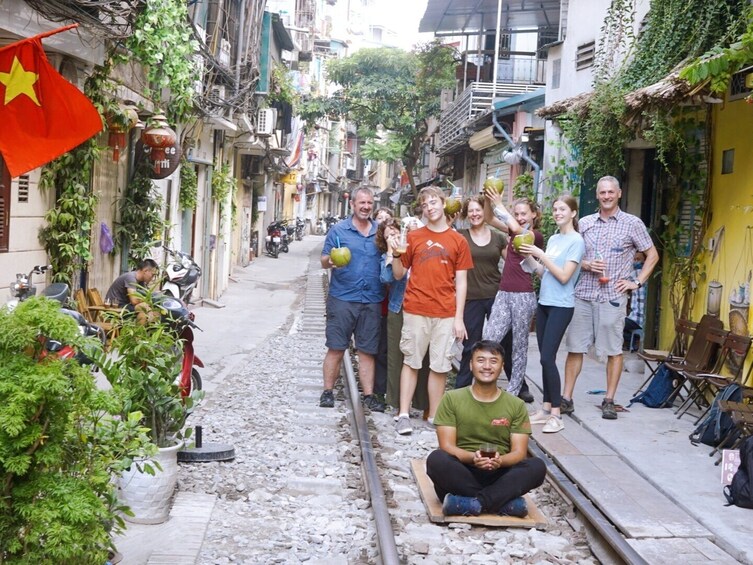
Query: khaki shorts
point(421, 333)
point(599, 324)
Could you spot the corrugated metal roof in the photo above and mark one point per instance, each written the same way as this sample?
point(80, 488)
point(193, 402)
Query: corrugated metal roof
point(469, 16)
point(526, 102)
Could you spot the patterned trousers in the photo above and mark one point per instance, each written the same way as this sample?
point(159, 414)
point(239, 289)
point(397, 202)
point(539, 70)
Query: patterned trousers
point(513, 311)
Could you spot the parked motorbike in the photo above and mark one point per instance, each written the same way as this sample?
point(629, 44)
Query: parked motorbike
point(330, 221)
point(23, 289)
point(175, 314)
point(300, 226)
point(181, 275)
point(273, 240)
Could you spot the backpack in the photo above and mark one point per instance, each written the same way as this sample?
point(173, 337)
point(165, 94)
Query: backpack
point(659, 390)
point(740, 491)
point(717, 424)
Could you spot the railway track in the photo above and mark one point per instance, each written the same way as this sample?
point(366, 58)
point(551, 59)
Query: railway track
point(606, 543)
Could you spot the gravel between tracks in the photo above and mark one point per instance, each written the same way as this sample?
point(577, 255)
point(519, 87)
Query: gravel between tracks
point(294, 492)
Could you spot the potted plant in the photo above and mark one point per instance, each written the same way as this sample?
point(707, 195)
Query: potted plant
point(61, 441)
point(143, 371)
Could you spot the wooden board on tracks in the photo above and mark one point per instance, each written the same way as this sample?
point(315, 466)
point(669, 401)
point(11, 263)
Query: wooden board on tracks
point(535, 518)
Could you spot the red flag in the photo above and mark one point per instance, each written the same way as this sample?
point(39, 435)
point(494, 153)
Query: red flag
point(42, 115)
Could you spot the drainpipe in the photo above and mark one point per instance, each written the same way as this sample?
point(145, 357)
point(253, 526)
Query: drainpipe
point(536, 168)
point(239, 52)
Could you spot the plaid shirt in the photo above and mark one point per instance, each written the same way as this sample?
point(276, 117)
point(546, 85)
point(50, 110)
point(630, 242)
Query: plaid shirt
point(617, 239)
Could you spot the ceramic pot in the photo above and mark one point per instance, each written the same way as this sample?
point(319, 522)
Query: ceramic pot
point(150, 496)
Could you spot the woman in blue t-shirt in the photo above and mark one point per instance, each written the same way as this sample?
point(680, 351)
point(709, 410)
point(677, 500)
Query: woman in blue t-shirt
point(558, 268)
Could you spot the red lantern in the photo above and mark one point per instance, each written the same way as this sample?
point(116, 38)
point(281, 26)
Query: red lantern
point(118, 129)
point(159, 138)
point(346, 195)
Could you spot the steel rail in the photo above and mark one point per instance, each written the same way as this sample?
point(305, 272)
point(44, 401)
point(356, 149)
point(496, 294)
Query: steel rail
point(385, 534)
point(601, 524)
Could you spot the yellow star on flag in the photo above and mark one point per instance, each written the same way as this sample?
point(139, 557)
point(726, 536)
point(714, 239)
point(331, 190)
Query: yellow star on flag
point(19, 81)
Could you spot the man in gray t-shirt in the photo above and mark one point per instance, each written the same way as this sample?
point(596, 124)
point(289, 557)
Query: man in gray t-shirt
point(127, 290)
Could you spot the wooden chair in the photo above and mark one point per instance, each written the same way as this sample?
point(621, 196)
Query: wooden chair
point(684, 332)
point(99, 311)
point(741, 414)
point(708, 384)
point(82, 304)
point(701, 355)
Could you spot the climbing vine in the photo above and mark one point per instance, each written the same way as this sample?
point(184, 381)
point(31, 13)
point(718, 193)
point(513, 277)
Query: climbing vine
point(223, 185)
point(189, 186)
point(141, 221)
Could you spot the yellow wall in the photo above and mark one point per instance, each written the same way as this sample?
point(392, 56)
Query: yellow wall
point(731, 202)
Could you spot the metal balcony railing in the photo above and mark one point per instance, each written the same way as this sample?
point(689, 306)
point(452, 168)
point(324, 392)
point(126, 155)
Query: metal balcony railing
point(514, 77)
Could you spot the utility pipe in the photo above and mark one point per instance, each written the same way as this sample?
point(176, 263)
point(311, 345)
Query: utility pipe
point(495, 62)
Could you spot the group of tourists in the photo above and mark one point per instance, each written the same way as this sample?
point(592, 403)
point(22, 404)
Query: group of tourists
point(446, 297)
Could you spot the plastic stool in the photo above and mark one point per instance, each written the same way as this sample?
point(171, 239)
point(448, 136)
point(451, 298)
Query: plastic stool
point(633, 334)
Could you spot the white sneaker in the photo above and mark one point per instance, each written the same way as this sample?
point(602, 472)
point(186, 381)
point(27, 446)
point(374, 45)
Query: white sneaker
point(539, 417)
point(553, 425)
point(403, 426)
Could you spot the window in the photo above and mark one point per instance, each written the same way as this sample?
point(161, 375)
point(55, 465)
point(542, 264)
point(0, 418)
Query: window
point(584, 56)
point(556, 70)
point(738, 84)
point(728, 161)
point(4, 206)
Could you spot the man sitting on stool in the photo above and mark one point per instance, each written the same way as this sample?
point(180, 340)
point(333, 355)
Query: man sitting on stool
point(468, 482)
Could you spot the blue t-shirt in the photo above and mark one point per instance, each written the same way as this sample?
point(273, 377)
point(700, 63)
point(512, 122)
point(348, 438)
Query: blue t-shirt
point(561, 248)
point(358, 281)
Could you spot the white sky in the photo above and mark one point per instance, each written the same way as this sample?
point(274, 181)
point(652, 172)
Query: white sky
point(404, 19)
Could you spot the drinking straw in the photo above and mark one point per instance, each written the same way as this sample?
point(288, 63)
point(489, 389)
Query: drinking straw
point(337, 237)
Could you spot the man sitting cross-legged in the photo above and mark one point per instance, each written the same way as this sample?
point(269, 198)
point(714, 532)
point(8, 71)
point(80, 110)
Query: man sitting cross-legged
point(468, 482)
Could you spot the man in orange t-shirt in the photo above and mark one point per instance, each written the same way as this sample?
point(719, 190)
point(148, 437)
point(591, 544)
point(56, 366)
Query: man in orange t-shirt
point(438, 259)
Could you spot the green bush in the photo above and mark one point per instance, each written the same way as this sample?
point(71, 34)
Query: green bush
point(60, 444)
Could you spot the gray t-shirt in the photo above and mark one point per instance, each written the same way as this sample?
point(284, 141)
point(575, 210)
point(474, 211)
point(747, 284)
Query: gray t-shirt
point(118, 291)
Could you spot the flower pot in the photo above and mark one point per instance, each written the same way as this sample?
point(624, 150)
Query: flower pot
point(150, 496)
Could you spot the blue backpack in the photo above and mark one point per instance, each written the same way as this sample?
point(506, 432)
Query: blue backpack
point(659, 390)
point(740, 491)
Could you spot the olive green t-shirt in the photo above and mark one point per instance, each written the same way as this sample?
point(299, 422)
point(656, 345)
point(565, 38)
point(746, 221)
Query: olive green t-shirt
point(483, 278)
point(478, 422)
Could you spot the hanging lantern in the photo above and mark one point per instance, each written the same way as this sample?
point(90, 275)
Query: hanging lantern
point(118, 128)
point(160, 137)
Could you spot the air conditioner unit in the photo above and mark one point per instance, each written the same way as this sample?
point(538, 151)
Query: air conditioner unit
point(216, 96)
point(224, 52)
point(266, 120)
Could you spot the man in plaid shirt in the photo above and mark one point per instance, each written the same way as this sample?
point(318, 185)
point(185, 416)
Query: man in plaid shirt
point(612, 239)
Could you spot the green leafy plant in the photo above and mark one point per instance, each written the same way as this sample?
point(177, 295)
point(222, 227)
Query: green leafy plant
point(223, 186)
point(281, 88)
point(60, 444)
point(189, 186)
point(141, 219)
point(144, 376)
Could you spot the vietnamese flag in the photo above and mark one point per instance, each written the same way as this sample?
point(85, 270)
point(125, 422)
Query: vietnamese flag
point(42, 115)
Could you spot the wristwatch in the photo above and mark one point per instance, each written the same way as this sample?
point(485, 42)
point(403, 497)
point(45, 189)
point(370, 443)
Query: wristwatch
point(396, 256)
point(637, 281)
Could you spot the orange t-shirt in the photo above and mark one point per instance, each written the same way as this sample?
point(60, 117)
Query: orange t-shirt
point(433, 259)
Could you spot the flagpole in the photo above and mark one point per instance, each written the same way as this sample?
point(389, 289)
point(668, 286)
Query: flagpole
point(54, 31)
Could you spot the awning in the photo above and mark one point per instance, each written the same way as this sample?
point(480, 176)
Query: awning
point(527, 102)
point(468, 17)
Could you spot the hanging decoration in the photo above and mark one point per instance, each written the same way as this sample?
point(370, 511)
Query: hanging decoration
point(118, 126)
point(159, 143)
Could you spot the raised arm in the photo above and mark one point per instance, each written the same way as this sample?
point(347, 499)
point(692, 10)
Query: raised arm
point(503, 220)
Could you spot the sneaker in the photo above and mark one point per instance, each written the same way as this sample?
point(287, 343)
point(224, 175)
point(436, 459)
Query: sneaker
point(455, 505)
point(525, 395)
point(608, 411)
point(403, 426)
point(516, 507)
point(327, 399)
point(540, 417)
point(372, 402)
point(553, 425)
point(566, 406)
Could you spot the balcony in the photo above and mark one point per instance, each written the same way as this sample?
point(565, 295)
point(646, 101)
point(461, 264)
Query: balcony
point(516, 75)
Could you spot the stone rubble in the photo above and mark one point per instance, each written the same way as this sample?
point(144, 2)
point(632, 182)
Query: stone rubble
point(294, 493)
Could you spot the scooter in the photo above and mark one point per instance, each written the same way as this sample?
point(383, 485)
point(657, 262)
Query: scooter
point(273, 239)
point(181, 275)
point(176, 314)
point(23, 289)
point(300, 225)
